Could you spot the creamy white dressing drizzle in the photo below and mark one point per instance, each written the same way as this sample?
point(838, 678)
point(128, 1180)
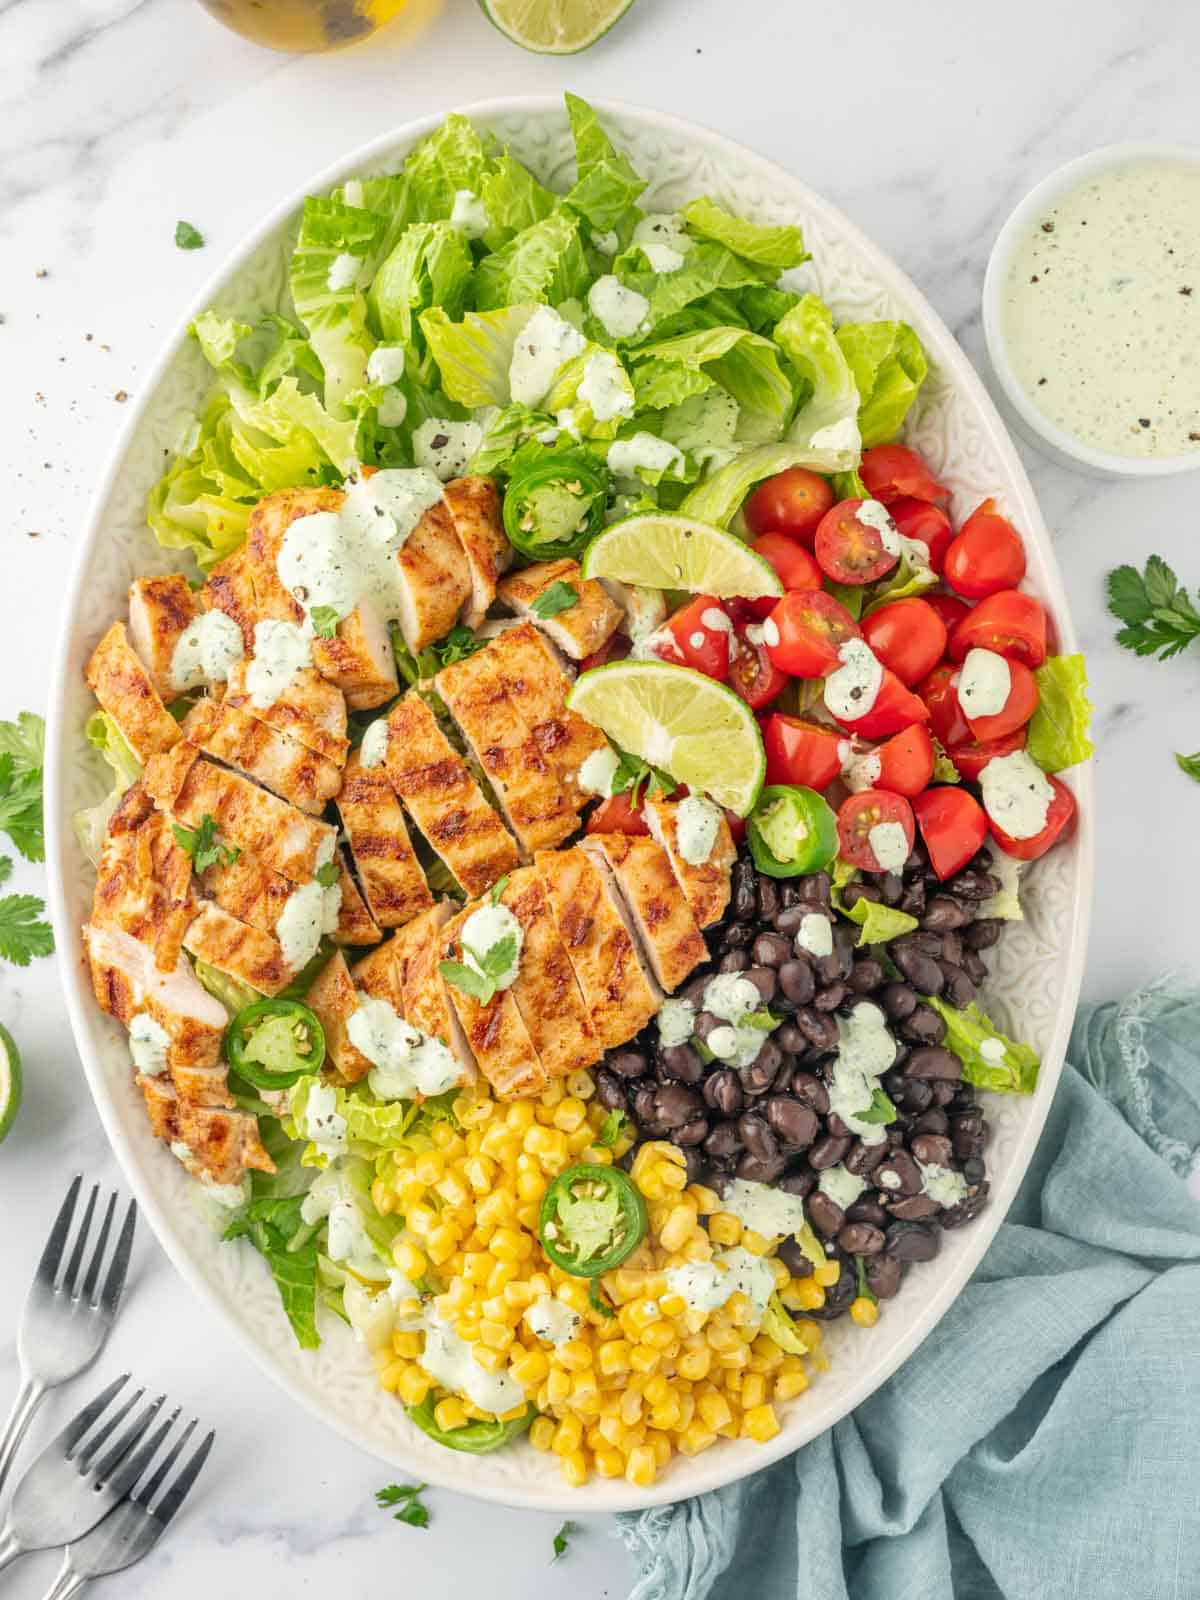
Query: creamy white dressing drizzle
point(663, 241)
point(992, 1049)
point(385, 364)
point(551, 1320)
point(860, 768)
point(842, 1187)
point(942, 1184)
point(373, 749)
point(205, 651)
point(889, 842)
point(308, 912)
point(605, 388)
point(446, 448)
point(469, 214)
point(323, 1122)
point(451, 1362)
point(281, 650)
point(676, 1020)
point(405, 1062)
point(545, 344)
point(1016, 794)
point(596, 771)
point(696, 824)
point(815, 934)
point(771, 1212)
point(148, 1044)
point(851, 689)
point(619, 311)
point(645, 451)
point(865, 1052)
point(984, 683)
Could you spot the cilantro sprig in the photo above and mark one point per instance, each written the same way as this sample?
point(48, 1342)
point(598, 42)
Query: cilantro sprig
point(1189, 765)
point(637, 778)
point(559, 597)
point(408, 1497)
point(327, 875)
point(325, 621)
point(202, 844)
point(1159, 616)
point(561, 1537)
point(23, 933)
point(610, 1129)
point(188, 237)
point(482, 978)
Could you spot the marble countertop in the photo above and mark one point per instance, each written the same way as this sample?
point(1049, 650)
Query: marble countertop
point(118, 117)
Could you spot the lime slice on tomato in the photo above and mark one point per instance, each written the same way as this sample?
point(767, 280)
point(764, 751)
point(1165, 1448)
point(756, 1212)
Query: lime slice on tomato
point(554, 27)
point(677, 719)
point(663, 552)
point(10, 1081)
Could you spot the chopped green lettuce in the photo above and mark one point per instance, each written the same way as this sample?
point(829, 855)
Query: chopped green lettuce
point(1006, 902)
point(515, 200)
point(889, 366)
point(775, 247)
point(910, 576)
point(806, 337)
point(478, 1438)
point(879, 923)
point(474, 355)
point(1058, 732)
point(91, 824)
point(333, 253)
point(780, 1329)
point(431, 265)
point(990, 1059)
point(606, 187)
point(545, 262)
point(745, 365)
point(717, 499)
point(276, 1229)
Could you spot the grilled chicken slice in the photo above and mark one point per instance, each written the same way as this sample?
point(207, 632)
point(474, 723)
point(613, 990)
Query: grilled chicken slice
point(359, 659)
point(579, 630)
point(547, 994)
point(417, 950)
point(161, 610)
point(392, 881)
point(262, 753)
point(144, 879)
point(657, 907)
point(526, 784)
point(237, 949)
point(215, 1145)
point(122, 685)
point(310, 710)
point(496, 1033)
point(230, 588)
point(706, 886)
point(474, 506)
point(443, 799)
point(537, 687)
point(435, 578)
point(248, 890)
point(618, 989)
point(247, 817)
point(333, 998)
point(355, 925)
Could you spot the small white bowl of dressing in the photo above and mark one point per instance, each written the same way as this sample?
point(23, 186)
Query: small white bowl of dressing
point(1091, 311)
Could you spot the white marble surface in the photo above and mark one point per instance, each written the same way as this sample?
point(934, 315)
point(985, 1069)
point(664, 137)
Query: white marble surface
point(118, 117)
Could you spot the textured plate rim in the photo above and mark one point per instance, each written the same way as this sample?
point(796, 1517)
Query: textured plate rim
point(814, 1418)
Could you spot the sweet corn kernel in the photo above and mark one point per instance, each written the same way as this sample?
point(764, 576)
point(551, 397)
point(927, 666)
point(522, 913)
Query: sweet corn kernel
point(694, 1438)
point(579, 1140)
point(755, 1242)
point(678, 1228)
point(572, 1293)
point(694, 1364)
point(495, 1335)
point(575, 1355)
point(407, 1344)
point(444, 1137)
point(640, 1315)
point(441, 1244)
point(781, 1274)
point(613, 1357)
point(382, 1198)
point(570, 1114)
point(414, 1386)
point(410, 1193)
point(714, 1410)
point(429, 1166)
point(754, 1390)
point(581, 1085)
point(449, 1413)
point(789, 1384)
point(608, 1462)
point(630, 1407)
point(808, 1294)
point(530, 1369)
point(659, 1335)
point(672, 1305)
point(865, 1312)
point(541, 1434)
point(644, 1358)
point(574, 1469)
point(552, 1093)
point(491, 1360)
point(453, 1190)
point(558, 1385)
point(641, 1467)
point(724, 1229)
point(409, 1260)
point(520, 1115)
point(568, 1436)
point(480, 1172)
point(761, 1423)
point(708, 1201)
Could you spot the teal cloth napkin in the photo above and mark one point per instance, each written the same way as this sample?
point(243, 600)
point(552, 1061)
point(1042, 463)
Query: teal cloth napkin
point(1044, 1441)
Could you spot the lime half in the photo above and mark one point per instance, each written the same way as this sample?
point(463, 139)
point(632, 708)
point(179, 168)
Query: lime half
point(10, 1081)
point(674, 718)
point(661, 552)
point(554, 27)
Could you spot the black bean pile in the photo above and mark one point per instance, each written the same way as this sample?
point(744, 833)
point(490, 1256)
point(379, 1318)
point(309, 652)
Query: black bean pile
point(770, 1122)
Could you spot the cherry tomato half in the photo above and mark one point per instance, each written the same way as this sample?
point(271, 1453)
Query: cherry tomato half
point(970, 759)
point(895, 708)
point(1016, 711)
point(752, 673)
point(794, 568)
point(893, 470)
point(948, 606)
point(812, 628)
point(917, 519)
point(953, 825)
point(695, 642)
point(615, 648)
point(791, 502)
point(908, 636)
point(1010, 623)
point(906, 761)
point(858, 815)
point(801, 753)
point(849, 549)
point(946, 721)
point(616, 815)
point(986, 556)
point(1058, 818)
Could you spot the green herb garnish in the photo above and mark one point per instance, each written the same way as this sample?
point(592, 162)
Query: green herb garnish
point(1159, 616)
point(187, 237)
point(22, 934)
point(610, 1129)
point(483, 978)
point(560, 596)
point(1189, 764)
point(327, 875)
point(408, 1497)
point(202, 845)
point(561, 1537)
point(324, 620)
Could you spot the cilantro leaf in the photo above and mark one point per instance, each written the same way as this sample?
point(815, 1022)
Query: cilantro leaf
point(1188, 764)
point(561, 1537)
point(5, 868)
point(22, 934)
point(635, 776)
point(881, 1110)
point(202, 845)
point(458, 644)
point(327, 875)
point(467, 980)
point(610, 1129)
point(325, 621)
point(408, 1497)
point(24, 740)
point(188, 237)
point(560, 596)
point(21, 803)
point(1158, 614)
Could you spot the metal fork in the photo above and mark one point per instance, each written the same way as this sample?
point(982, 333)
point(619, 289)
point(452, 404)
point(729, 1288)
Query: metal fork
point(135, 1527)
point(76, 1481)
point(67, 1317)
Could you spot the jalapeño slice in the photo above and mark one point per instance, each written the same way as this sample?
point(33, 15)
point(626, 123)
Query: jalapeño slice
point(592, 1217)
point(274, 1043)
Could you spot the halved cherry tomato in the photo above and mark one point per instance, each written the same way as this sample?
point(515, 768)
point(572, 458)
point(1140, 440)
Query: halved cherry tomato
point(697, 643)
point(1015, 712)
point(908, 636)
point(906, 761)
point(794, 568)
point(791, 502)
point(948, 606)
point(970, 759)
point(917, 519)
point(849, 549)
point(616, 815)
point(801, 753)
point(893, 470)
point(752, 673)
point(986, 556)
point(946, 720)
point(737, 825)
point(615, 648)
point(1011, 623)
point(895, 708)
point(862, 812)
point(1058, 818)
point(812, 628)
point(953, 825)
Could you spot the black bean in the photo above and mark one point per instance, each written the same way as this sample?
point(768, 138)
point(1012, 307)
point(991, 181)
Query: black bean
point(820, 1031)
point(856, 891)
point(913, 898)
point(971, 885)
point(966, 1210)
point(733, 961)
point(801, 1182)
point(768, 898)
point(745, 890)
point(757, 1136)
point(788, 1037)
point(974, 1170)
point(898, 1001)
point(913, 1096)
point(794, 1259)
point(922, 939)
point(957, 987)
point(797, 981)
point(764, 980)
point(835, 1126)
point(810, 1091)
point(825, 1214)
point(931, 1061)
point(693, 1132)
point(920, 969)
point(839, 962)
point(883, 1275)
point(610, 1091)
point(917, 859)
point(760, 1075)
point(724, 1141)
point(788, 920)
point(931, 1149)
point(898, 1175)
point(923, 1026)
point(943, 1091)
point(967, 1133)
point(911, 1241)
point(722, 1090)
point(973, 965)
point(934, 1120)
point(680, 1061)
point(914, 1208)
point(643, 1102)
point(863, 1158)
point(831, 997)
point(795, 1124)
point(675, 1105)
point(693, 1165)
point(952, 947)
point(827, 1152)
point(983, 934)
point(693, 990)
point(816, 888)
point(839, 1295)
point(866, 975)
point(867, 1209)
point(861, 1239)
point(943, 913)
point(770, 950)
point(757, 1169)
point(627, 1063)
point(891, 887)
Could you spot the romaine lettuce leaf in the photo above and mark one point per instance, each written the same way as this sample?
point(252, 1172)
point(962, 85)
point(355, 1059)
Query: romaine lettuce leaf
point(1058, 733)
point(990, 1059)
point(281, 1236)
point(506, 432)
point(889, 366)
point(91, 823)
point(431, 265)
point(660, 384)
point(1006, 902)
point(453, 157)
point(478, 1438)
point(331, 259)
point(718, 499)
point(544, 262)
point(703, 425)
point(606, 187)
point(910, 576)
point(474, 355)
point(288, 438)
point(564, 394)
point(780, 1329)
point(830, 415)
point(778, 248)
point(745, 365)
point(515, 200)
point(371, 1125)
point(879, 923)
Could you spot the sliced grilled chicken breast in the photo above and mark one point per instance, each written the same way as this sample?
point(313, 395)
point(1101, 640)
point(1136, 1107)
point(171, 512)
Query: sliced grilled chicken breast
point(435, 578)
point(122, 686)
point(579, 630)
point(230, 588)
point(443, 799)
point(215, 1145)
point(545, 989)
point(706, 886)
point(417, 950)
point(247, 817)
point(310, 710)
point(144, 879)
point(248, 890)
point(537, 686)
point(161, 610)
point(657, 907)
point(333, 998)
point(356, 925)
point(271, 758)
point(236, 948)
point(359, 659)
point(474, 506)
point(391, 877)
point(618, 988)
point(526, 784)
point(496, 1033)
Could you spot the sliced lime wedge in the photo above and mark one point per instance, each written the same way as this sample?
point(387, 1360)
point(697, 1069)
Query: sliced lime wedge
point(674, 718)
point(10, 1081)
point(662, 552)
point(554, 27)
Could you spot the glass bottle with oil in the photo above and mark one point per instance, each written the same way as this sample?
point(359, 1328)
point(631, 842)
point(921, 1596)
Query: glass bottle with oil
point(304, 25)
